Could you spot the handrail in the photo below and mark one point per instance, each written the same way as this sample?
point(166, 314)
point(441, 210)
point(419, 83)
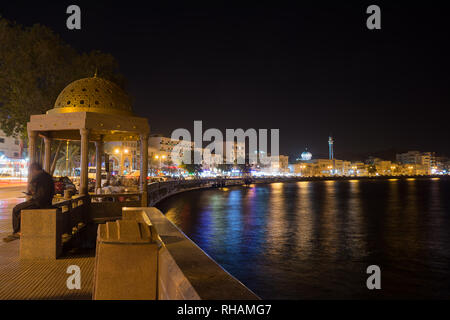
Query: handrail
point(73, 202)
point(116, 195)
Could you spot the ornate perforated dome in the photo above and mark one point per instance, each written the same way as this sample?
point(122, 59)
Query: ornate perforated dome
point(93, 95)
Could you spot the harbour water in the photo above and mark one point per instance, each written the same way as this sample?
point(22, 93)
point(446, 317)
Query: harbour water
point(315, 240)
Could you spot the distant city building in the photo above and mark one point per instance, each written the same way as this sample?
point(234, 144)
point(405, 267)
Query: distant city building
point(359, 169)
point(123, 155)
point(161, 153)
point(420, 163)
point(10, 147)
point(12, 162)
point(279, 164)
point(163, 147)
point(409, 157)
point(236, 154)
point(322, 167)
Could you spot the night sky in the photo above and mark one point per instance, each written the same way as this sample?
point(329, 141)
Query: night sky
point(309, 68)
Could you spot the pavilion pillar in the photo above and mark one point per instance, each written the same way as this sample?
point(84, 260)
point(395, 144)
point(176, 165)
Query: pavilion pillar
point(84, 161)
point(98, 160)
point(47, 153)
point(122, 163)
point(144, 168)
point(32, 135)
point(107, 168)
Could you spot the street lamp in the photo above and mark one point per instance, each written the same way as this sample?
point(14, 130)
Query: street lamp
point(67, 158)
point(117, 152)
point(163, 157)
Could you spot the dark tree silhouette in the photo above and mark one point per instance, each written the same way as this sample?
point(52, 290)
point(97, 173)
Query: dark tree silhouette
point(35, 65)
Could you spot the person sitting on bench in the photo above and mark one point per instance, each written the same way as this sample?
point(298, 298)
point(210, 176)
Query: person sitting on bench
point(42, 189)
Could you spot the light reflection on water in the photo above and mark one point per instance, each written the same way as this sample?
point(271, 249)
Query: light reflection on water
point(315, 239)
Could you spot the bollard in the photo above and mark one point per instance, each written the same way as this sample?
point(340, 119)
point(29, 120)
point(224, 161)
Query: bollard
point(125, 262)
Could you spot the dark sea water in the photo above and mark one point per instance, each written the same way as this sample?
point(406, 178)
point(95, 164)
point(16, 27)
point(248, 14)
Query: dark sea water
point(315, 240)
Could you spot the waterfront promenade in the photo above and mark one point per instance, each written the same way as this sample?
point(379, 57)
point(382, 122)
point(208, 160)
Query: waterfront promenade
point(36, 279)
point(46, 279)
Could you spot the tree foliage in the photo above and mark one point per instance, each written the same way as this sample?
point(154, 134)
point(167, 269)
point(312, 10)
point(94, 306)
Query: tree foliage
point(192, 168)
point(372, 169)
point(35, 66)
point(73, 158)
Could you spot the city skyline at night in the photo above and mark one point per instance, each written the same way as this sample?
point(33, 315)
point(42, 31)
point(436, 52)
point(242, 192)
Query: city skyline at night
point(310, 71)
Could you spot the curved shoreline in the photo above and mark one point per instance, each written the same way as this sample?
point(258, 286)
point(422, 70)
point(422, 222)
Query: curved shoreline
point(240, 182)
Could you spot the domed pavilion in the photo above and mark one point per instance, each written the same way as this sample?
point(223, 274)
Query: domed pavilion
point(90, 110)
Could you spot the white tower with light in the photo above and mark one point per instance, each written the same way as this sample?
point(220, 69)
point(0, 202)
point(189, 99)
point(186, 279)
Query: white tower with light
point(330, 146)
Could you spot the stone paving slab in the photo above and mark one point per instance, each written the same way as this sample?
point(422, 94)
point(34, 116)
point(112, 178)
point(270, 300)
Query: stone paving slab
point(37, 279)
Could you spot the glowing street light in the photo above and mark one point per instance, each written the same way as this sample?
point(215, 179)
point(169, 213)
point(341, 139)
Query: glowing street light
point(162, 157)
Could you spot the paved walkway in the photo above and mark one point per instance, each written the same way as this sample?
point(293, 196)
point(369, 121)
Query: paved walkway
point(36, 279)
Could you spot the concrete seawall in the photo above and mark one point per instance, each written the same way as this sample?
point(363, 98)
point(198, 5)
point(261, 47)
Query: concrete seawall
point(161, 263)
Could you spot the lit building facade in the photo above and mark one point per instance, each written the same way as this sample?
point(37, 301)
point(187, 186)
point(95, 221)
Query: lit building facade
point(123, 155)
point(163, 147)
point(423, 163)
point(10, 147)
point(279, 164)
point(12, 162)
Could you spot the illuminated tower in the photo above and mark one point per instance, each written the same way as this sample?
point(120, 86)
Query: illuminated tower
point(330, 146)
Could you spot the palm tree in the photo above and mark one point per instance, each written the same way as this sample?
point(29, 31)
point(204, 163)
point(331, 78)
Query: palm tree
point(73, 158)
